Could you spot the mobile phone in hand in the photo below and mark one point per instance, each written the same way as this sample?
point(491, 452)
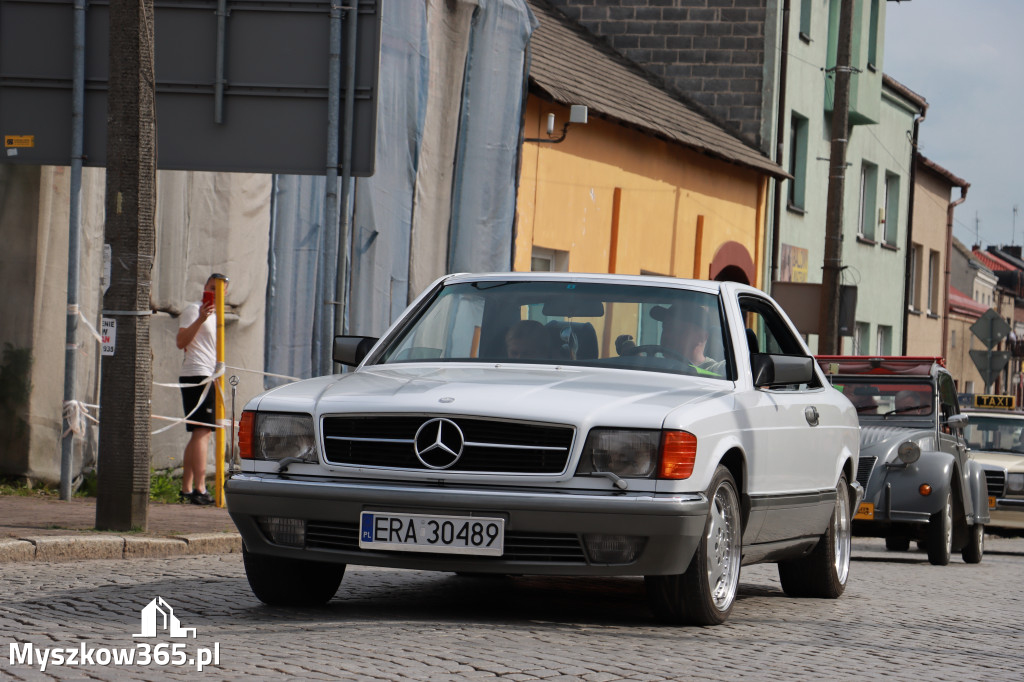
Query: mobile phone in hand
point(208, 298)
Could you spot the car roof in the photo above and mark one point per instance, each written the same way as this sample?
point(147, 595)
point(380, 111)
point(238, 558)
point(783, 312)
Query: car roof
point(704, 285)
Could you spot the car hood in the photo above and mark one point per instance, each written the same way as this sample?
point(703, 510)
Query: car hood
point(878, 441)
point(572, 395)
point(1010, 462)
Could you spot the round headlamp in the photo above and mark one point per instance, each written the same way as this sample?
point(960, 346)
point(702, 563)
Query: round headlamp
point(909, 452)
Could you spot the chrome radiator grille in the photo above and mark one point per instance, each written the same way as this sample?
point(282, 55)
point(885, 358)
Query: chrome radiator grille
point(534, 547)
point(864, 467)
point(996, 480)
point(490, 446)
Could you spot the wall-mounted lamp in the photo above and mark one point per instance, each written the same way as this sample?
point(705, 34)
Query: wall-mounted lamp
point(577, 114)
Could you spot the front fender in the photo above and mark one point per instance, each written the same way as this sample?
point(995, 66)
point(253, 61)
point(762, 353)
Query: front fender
point(902, 485)
point(978, 486)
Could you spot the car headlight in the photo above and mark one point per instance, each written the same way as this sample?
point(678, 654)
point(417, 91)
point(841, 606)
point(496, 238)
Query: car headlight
point(909, 452)
point(636, 453)
point(627, 453)
point(276, 435)
point(1015, 483)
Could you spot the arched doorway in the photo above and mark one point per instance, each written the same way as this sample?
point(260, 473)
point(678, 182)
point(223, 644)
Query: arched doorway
point(732, 263)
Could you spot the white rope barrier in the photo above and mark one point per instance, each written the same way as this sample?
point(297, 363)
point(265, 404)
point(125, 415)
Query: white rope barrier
point(75, 414)
point(266, 374)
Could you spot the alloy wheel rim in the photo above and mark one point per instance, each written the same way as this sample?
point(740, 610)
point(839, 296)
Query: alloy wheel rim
point(842, 534)
point(722, 549)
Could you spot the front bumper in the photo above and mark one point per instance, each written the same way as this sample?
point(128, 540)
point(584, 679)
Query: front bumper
point(1008, 513)
point(536, 521)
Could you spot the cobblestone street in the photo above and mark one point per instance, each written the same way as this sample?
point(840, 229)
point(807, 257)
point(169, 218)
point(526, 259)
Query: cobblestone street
point(900, 618)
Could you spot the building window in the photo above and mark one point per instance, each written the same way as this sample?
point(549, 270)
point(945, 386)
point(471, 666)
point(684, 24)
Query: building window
point(883, 344)
point(549, 260)
point(891, 217)
point(868, 201)
point(952, 338)
point(916, 255)
point(805, 19)
point(798, 161)
point(933, 283)
point(861, 337)
point(873, 30)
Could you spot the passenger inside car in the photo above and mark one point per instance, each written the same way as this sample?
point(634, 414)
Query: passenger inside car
point(911, 402)
point(530, 340)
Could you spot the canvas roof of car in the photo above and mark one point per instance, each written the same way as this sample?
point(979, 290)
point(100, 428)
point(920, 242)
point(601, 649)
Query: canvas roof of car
point(912, 365)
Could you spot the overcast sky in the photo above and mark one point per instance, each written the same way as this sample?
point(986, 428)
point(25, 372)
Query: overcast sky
point(966, 58)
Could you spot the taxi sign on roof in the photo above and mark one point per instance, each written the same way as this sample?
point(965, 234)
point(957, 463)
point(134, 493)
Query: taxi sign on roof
point(1002, 402)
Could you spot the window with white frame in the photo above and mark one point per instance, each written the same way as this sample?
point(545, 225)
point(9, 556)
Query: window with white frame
point(933, 282)
point(914, 277)
point(868, 201)
point(883, 341)
point(798, 161)
point(861, 338)
point(891, 216)
point(549, 260)
point(805, 19)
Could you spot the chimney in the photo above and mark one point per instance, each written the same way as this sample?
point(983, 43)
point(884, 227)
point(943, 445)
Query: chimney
point(1013, 251)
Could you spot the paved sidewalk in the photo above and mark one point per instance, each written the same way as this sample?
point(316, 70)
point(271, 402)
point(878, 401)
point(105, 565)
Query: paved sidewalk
point(49, 529)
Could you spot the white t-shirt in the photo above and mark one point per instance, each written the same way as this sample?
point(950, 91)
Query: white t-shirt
point(201, 354)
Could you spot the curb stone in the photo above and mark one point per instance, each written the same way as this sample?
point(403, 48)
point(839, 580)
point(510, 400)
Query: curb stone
point(154, 548)
point(77, 547)
point(16, 550)
point(62, 548)
point(212, 543)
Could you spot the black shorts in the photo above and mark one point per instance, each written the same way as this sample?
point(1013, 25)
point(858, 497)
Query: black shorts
point(190, 395)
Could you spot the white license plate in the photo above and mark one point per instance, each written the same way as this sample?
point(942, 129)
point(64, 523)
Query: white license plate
point(429, 533)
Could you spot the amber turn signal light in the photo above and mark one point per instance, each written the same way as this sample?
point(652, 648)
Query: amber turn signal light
point(925, 489)
point(678, 453)
point(245, 428)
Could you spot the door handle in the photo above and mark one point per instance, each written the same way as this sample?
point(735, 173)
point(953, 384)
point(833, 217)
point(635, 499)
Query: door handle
point(811, 415)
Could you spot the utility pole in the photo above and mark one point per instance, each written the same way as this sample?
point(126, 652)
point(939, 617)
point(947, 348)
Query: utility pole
point(123, 467)
point(828, 335)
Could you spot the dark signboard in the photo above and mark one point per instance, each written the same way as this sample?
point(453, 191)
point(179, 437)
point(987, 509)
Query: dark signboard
point(273, 112)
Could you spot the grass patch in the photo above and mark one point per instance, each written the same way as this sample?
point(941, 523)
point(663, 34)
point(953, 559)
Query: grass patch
point(164, 487)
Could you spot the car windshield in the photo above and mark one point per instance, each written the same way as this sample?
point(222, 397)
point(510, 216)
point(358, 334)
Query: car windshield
point(650, 328)
point(888, 397)
point(995, 433)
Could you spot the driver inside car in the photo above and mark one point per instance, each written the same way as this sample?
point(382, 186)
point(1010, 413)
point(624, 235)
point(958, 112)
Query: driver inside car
point(684, 332)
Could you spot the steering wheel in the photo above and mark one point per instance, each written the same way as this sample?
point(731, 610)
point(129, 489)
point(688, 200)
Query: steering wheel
point(651, 349)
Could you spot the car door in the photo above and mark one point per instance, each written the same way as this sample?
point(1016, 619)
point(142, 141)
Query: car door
point(791, 459)
point(952, 440)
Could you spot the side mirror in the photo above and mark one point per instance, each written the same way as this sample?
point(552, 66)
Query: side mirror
point(957, 421)
point(350, 350)
point(779, 370)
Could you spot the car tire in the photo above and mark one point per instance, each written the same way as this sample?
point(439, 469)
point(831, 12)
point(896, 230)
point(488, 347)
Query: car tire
point(823, 572)
point(897, 544)
point(940, 533)
point(975, 549)
point(706, 592)
point(278, 581)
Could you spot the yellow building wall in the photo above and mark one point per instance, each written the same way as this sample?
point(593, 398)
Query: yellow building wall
point(931, 199)
point(571, 192)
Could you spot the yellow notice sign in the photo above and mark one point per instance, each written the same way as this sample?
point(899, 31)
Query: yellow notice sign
point(1002, 402)
point(19, 141)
